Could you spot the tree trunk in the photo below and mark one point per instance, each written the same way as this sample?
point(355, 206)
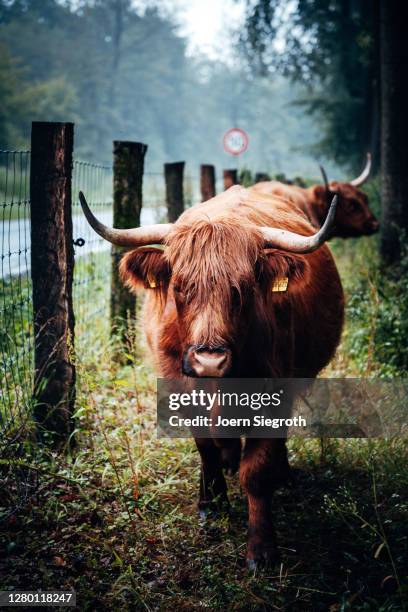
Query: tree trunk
point(394, 129)
point(374, 142)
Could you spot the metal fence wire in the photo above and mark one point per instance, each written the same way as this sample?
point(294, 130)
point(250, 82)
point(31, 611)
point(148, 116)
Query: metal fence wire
point(17, 482)
point(93, 262)
point(92, 272)
point(154, 196)
point(91, 297)
point(16, 326)
point(191, 188)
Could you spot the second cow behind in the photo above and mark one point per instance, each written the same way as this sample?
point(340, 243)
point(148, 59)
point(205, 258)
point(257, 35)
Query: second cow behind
point(353, 218)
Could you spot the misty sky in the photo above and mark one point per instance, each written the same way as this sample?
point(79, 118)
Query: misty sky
point(207, 24)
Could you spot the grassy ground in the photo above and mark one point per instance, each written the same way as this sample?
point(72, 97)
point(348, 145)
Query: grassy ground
point(118, 522)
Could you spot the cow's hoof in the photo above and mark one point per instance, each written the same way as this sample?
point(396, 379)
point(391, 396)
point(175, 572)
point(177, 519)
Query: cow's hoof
point(266, 558)
point(210, 511)
point(231, 458)
point(203, 515)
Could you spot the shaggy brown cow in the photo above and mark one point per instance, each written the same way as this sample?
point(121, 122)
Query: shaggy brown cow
point(354, 217)
point(210, 311)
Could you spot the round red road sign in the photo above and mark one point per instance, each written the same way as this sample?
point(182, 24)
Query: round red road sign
point(235, 141)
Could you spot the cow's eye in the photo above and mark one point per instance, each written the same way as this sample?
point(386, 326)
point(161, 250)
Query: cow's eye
point(236, 297)
point(179, 294)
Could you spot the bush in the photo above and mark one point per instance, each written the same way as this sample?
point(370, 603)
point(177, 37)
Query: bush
point(376, 331)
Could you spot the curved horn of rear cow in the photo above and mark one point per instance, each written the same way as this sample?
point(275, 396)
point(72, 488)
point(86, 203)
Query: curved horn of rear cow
point(326, 184)
point(364, 175)
point(325, 179)
point(296, 243)
point(138, 236)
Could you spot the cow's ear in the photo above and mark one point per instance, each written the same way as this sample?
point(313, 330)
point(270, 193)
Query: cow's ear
point(281, 263)
point(145, 267)
point(285, 271)
point(320, 195)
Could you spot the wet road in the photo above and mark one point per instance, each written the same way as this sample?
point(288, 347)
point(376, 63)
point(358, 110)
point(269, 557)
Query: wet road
point(15, 240)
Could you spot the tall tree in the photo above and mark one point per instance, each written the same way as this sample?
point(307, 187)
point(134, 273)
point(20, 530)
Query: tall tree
point(394, 132)
point(331, 47)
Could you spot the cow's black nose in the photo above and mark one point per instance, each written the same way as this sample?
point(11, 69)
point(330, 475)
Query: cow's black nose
point(207, 361)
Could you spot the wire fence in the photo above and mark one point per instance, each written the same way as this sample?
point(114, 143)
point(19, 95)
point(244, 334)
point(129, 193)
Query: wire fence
point(154, 196)
point(92, 272)
point(93, 262)
point(91, 295)
point(16, 330)
point(93, 266)
point(16, 326)
point(191, 190)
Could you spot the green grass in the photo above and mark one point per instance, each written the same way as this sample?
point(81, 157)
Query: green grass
point(117, 521)
point(91, 294)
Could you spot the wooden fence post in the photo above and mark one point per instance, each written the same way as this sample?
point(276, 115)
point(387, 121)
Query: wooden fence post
point(173, 174)
point(52, 267)
point(128, 168)
point(230, 178)
point(207, 182)
point(260, 177)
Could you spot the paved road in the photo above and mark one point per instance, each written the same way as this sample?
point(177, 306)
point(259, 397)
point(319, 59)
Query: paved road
point(15, 240)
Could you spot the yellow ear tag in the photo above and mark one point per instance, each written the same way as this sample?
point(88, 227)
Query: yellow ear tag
point(280, 284)
point(151, 280)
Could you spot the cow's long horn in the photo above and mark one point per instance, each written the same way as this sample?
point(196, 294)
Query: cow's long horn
point(325, 179)
point(138, 236)
point(365, 173)
point(296, 243)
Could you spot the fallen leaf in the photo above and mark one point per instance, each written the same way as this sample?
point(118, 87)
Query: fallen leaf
point(59, 561)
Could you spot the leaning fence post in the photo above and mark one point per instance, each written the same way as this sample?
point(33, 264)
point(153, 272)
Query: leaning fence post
point(207, 182)
point(128, 168)
point(230, 178)
point(173, 174)
point(52, 267)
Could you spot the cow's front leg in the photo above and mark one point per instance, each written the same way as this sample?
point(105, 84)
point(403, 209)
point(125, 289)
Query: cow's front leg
point(213, 488)
point(230, 454)
point(264, 467)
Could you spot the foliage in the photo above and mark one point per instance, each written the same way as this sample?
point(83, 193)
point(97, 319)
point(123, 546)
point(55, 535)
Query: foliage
point(331, 47)
point(118, 523)
point(10, 108)
point(245, 177)
point(23, 102)
point(134, 82)
point(377, 305)
point(378, 345)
